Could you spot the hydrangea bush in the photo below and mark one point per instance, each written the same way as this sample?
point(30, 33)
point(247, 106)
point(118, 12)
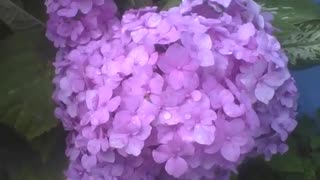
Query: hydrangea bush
point(187, 93)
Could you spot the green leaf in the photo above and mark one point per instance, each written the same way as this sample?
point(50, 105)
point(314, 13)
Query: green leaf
point(304, 43)
point(36, 8)
point(124, 5)
point(166, 4)
point(291, 11)
point(289, 162)
point(16, 17)
point(292, 176)
point(141, 3)
point(316, 159)
point(315, 142)
point(26, 88)
point(45, 144)
point(298, 22)
point(18, 161)
point(309, 170)
point(262, 170)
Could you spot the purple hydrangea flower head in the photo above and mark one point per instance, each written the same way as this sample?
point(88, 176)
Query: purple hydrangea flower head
point(187, 93)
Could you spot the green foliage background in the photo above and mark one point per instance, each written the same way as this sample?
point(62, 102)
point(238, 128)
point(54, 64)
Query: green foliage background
point(31, 139)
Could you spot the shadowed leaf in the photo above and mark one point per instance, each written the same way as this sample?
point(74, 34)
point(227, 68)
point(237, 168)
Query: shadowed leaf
point(16, 17)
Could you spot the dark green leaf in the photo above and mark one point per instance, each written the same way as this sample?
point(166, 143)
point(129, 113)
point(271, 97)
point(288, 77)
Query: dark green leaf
point(291, 11)
point(309, 170)
point(315, 142)
point(18, 161)
point(124, 5)
point(291, 176)
point(36, 8)
point(289, 162)
point(16, 17)
point(26, 87)
point(141, 3)
point(316, 159)
point(45, 144)
point(262, 170)
point(166, 4)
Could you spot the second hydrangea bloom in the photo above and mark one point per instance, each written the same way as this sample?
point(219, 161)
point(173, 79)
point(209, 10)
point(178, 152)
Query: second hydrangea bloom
point(186, 93)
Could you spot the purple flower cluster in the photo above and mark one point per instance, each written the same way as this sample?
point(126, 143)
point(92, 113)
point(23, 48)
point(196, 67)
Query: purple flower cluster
point(74, 22)
point(187, 93)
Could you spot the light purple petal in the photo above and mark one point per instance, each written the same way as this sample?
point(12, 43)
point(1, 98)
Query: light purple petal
point(246, 31)
point(186, 134)
point(169, 117)
point(208, 117)
point(121, 120)
point(139, 34)
point(71, 12)
point(191, 80)
point(206, 58)
point(234, 127)
point(104, 143)
point(154, 20)
point(91, 99)
point(204, 135)
point(139, 55)
point(156, 84)
point(101, 116)
point(276, 78)
point(230, 151)
point(105, 93)
point(114, 103)
point(84, 5)
point(117, 169)
point(240, 140)
point(94, 146)
point(176, 166)
point(176, 56)
point(161, 154)
point(226, 96)
point(88, 132)
point(264, 93)
point(118, 140)
point(88, 162)
point(176, 79)
point(144, 132)
point(134, 146)
point(108, 156)
point(203, 41)
point(233, 110)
